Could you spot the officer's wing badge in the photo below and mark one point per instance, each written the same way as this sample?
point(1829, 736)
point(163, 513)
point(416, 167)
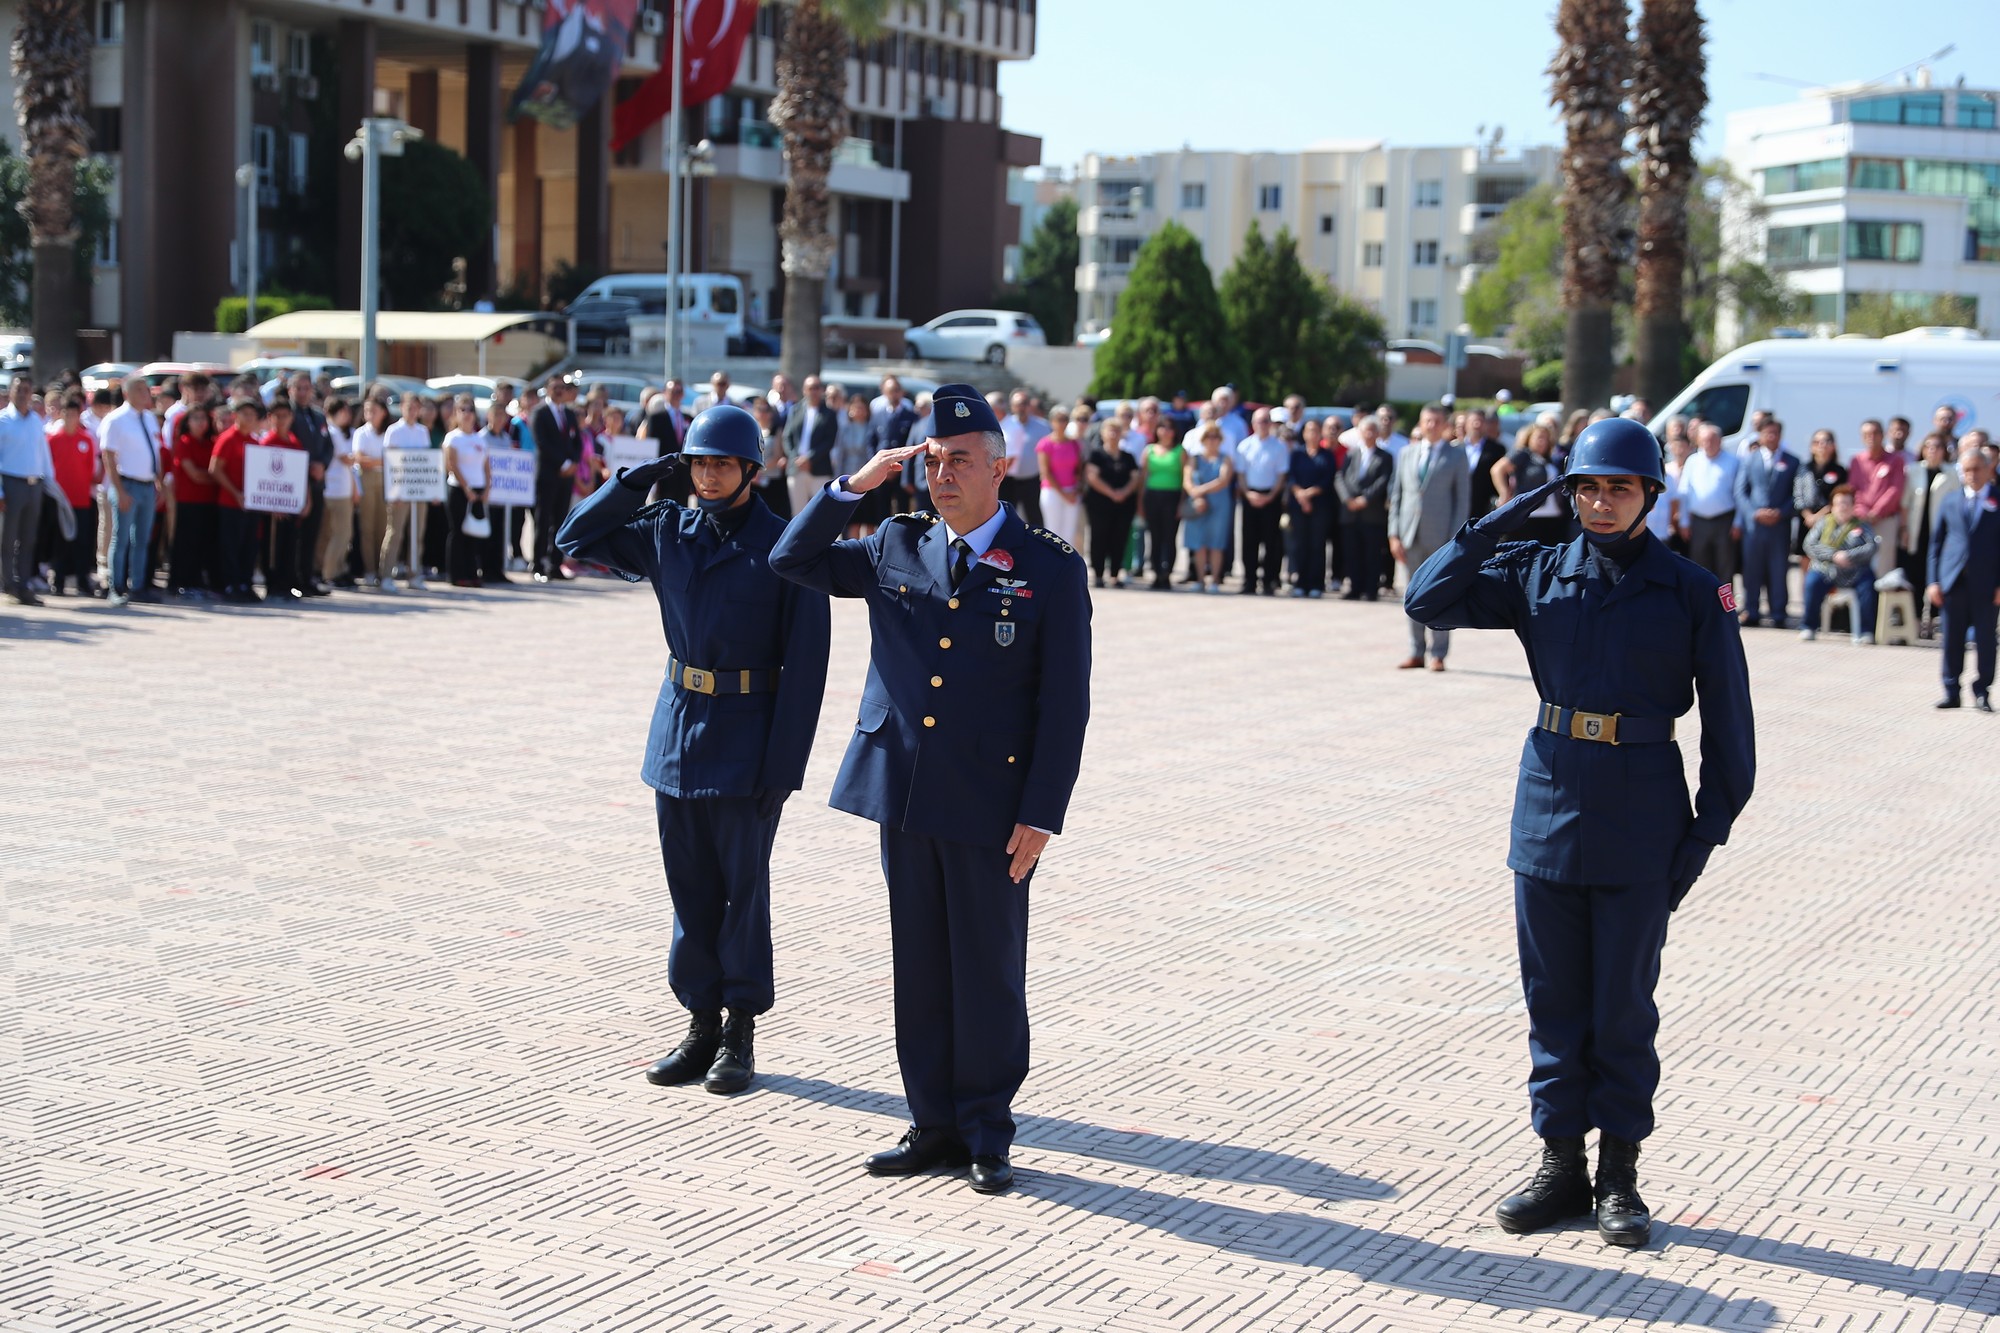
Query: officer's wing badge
point(1003, 634)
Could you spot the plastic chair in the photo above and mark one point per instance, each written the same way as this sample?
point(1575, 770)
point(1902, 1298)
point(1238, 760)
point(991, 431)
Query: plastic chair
point(1895, 615)
point(1835, 598)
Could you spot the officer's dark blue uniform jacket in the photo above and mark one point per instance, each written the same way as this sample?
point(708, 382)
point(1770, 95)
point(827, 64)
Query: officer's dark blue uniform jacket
point(723, 610)
point(973, 716)
point(1586, 812)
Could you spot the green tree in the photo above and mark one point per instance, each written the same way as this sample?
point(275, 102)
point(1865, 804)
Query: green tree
point(1519, 287)
point(441, 213)
point(1879, 314)
point(1169, 330)
point(1048, 273)
point(92, 209)
point(1290, 331)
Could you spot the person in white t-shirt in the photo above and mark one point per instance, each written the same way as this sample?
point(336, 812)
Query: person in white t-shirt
point(374, 508)
point(468, 477)
point(404, 515)
point(498, 435)
point(336, 529)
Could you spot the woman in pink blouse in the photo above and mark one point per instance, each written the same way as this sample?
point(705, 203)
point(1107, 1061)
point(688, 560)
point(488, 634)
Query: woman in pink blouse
point(1061, 462)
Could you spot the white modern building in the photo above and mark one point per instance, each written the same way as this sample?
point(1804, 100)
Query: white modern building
point(1391, 227)
point(1872, 189)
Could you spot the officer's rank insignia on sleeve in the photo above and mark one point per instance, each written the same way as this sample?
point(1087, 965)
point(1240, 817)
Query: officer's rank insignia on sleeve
point(1727, 592)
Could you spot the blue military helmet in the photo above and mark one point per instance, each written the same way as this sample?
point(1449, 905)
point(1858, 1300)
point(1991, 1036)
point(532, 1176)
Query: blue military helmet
point(725, 431)
point(1618, 447)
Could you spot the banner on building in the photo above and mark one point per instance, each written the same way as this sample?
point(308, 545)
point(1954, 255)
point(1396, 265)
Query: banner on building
point(513, 477)
point(583, 44)
point(274, 480)
point(713, 34)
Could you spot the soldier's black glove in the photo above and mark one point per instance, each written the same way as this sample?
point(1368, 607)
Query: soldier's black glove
point(645, 476)
point(1514, 515)
point(1690, 859)
point(769, 803)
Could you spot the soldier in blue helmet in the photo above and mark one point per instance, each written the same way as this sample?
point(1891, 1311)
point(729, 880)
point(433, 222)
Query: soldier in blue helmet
point(966, 746)
point(746, 669)
point(1621, 633)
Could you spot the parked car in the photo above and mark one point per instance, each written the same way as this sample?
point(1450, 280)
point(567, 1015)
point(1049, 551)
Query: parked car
point(709, 300)
point(393, 388)
point(479, 386)
point(157, 373)
point(1096, 339)
point(975, 335)
point(268, 368)
point(604, 324)
point(757, 340)
point(626, 391)
point(106, 375)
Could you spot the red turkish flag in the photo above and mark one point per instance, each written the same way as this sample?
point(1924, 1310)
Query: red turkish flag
point(715, 31)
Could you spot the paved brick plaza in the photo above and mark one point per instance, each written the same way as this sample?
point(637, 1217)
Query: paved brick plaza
point(334, 956)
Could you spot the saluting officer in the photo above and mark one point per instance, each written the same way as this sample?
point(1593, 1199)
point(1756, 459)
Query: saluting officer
point(1620, 634)
point(965, 750)
point(746, 670)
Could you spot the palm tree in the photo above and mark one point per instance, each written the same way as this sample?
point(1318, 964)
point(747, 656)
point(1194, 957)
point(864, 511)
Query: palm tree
point(1588, 77)
point(1669, 95)
point(811, 111)
point(51, 55)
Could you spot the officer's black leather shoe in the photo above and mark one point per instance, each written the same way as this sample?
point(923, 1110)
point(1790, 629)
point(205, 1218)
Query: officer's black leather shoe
point(1622, 1218)
point(1559, 1191)
point(735, 1060)
point(920, 1150)
point(694, 1055)
point(991, 1175)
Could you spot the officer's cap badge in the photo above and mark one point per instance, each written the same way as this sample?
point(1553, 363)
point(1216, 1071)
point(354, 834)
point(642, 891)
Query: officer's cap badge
point(964, 411)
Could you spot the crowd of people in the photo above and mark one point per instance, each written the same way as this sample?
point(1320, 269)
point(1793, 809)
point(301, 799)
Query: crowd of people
point(1158, 493)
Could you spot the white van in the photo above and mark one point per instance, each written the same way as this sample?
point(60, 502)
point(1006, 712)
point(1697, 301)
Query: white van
point(1837, 383)
point(711, 302)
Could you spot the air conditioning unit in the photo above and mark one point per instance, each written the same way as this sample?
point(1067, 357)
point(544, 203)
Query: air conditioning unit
point(264, 80)
point(308, 87)
point(652, 22)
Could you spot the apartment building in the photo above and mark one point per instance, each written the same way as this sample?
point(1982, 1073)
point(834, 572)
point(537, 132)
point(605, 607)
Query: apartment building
point(182, 92)
point(1872, 189)
point(1391, 227)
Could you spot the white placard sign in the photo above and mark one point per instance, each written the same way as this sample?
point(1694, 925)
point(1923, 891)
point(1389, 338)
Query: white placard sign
point(513, 477)
point(415, 474)
point(274, 480)
point(628, 451)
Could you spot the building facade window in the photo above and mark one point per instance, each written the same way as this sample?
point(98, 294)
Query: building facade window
point(1825, 174)
point(298, 53)
point(1194, 194)
point(263, 47)
point(1500, 190)
point(1424, 254)
point(1423, 313)
point(1816, 246)
point(298, 150)
point(1377, 196)
point(107, 128)
point(1902, 109)
point(1371, 254)
point(1975, 111)
point(107, 245)
point(264, 153)
point(1886, 242)
point(110, 22)
point(1326, 224)
point(1269, 198)
point(1430, 194)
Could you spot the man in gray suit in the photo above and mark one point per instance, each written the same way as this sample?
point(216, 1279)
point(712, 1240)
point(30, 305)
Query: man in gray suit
point(1428, 503)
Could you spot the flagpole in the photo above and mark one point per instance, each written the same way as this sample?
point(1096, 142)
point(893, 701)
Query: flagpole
point(674, 200)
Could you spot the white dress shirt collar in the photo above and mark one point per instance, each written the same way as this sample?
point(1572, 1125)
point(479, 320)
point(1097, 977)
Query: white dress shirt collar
point(980, 539)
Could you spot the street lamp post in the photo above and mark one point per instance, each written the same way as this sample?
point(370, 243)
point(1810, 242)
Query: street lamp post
point(246, 180)
point(696, 161)
point(378, 137)
point(672, 325)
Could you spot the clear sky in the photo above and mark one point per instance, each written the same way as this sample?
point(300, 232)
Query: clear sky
point(1133, 76)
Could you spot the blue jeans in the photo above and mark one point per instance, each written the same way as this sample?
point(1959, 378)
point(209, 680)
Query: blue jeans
point(131, 534)
point(1819, 585)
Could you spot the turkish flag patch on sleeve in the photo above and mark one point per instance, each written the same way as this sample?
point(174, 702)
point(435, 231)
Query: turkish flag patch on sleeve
point(1727, 592)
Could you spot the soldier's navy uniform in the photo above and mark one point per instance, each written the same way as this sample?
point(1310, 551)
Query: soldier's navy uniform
point(1602, 824)
point(972, 721)
point(735, 719)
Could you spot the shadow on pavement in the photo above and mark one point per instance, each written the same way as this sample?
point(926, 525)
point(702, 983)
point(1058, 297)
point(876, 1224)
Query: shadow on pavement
point(1974, 1291)
point(1194, 1158)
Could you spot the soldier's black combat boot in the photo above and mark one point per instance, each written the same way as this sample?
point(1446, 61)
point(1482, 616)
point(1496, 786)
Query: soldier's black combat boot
point(694, 1055)
point(1622, 1218)
point(735, 1061)
point(1559, 1191)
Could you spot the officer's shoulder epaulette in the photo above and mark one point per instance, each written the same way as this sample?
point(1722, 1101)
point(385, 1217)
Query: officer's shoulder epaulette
point(1053, 540)
point(922, 518)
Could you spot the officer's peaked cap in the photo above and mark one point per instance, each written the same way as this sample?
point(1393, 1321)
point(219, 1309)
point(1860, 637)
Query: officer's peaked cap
point(725, 431)
point(1617, 447)
point(958, 409)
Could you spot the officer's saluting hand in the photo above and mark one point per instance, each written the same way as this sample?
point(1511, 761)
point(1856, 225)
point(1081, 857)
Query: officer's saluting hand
point(1620, 633)
point(966, 747)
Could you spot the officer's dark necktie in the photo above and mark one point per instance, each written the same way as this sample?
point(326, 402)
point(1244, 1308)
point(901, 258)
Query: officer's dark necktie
point(961, 562)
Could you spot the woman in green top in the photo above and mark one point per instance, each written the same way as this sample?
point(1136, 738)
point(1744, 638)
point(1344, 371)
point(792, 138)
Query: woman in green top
point(1164, 462)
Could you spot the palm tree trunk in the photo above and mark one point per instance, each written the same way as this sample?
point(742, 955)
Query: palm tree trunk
point(1588, 77)
point(811, 110)
point(51, 55)
point(1669, 95)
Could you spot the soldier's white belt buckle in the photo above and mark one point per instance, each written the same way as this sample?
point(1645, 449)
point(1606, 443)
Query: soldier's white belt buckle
point(1594, 727)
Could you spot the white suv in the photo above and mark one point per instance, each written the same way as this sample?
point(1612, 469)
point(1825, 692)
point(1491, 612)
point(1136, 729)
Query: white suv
point(975, 335)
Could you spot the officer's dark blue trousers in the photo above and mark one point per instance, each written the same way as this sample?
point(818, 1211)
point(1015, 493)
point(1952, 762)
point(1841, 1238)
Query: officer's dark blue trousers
point(1590, 958)
point(1964, 610)
point(717, 852)
point(958, 927)
point(1766, 557)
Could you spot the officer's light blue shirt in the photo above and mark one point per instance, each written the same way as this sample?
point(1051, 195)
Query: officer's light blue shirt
point(24, 445)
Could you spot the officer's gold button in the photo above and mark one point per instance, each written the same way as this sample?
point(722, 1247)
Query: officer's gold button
point(1010, 758)
point(936, 681)
point(953, 603)
point(930, 722)
point(944, 643)
point(1006, 613)
point(902, 587)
